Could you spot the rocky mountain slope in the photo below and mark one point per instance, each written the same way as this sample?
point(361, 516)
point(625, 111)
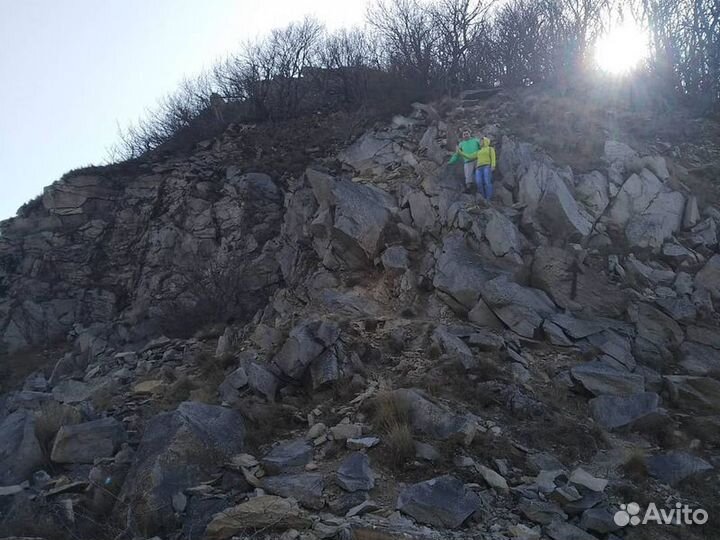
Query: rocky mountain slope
point(397, 358)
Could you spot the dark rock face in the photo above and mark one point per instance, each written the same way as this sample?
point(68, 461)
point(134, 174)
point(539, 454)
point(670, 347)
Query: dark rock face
point(20, 452)
point(288, 455)
point(83, 443)
point(95, 250)
point(179, 449)
point(441, 502)
point(355, 473)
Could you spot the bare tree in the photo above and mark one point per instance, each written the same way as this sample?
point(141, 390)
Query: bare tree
point(409, 39)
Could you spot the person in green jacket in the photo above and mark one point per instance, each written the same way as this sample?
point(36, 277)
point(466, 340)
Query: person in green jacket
point(485, 166)
point(467, 149)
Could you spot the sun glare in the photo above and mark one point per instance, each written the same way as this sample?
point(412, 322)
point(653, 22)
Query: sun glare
point(621, 50)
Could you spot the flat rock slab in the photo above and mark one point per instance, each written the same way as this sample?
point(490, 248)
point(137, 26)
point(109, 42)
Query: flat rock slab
point(560, 530)
point(264, 512)
point(355, 474)
point(441, 502)
point(613, 412)
point(83, 443)
point(600, 379)
point(674, 467)
point(288, 455)
point(306, 488)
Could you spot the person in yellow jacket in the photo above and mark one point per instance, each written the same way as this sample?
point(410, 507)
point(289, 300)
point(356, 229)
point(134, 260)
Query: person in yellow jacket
point(485, 165)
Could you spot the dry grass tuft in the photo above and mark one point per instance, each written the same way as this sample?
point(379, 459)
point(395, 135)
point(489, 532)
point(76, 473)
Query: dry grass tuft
point(49, 419)
point(389, 410)
point(399, 445)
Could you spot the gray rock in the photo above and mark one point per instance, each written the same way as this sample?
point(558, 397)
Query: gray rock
point(557, 272)
point(305, 488)
point(634, 197)
point(704, 234)
point(540, 511)
point(699, 359)
point(71, 391)
point(613, 412)
point(261, 380)
point(441, 502)
point(179, 449)
point(675, 467)
point(355, 474)
point(358, 217)
point(454, 346)
point(616, 346)
point(658, 222)
point(550, 204)
point(522, 309)
point(324, 369)
point(600, 379)
point(656, 327)
point(705, 335)
point(592, 191)
point(265, 512)
point(459, 271)
point(652, 274)
point(578, 328)
point(288, 455)
point(20, 452)
point(709, 277)
point(501, 233)
point(395, 259)
point(486, 340)
point(304, 344)
point(229, 388)
point(560, 530)
point(83, 443)
point(432, 419)
point(599, 520)
point(680, 309)
point(699, 394)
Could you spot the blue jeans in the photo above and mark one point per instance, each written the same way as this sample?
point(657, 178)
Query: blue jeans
point(483, 180)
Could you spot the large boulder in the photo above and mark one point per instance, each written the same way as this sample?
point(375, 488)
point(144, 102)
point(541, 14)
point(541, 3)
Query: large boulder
point(440, 502)
point(613, 412)
point(574, 286)
point(698, 359)
point(305, 344)
point(709, 277)
point(522, 309)
point(179, 449)
point(305, 488)
point(355, 474)
point(634, 197)
point(265, 512)
point(592, 191)
point(600, 379)
point(433, 419)
point(675, 467)
point(20, 452)
point(353, 219)
point(460, 272)
point(83, 443)
point(501, 233)
point(550, 204)
point(697, 394)
point(658, 222)
point(288, 455)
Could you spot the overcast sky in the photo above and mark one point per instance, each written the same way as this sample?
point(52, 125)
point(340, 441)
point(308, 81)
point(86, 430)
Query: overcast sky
point(71, 70)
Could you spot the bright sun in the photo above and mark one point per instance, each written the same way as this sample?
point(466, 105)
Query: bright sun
point(622, 49)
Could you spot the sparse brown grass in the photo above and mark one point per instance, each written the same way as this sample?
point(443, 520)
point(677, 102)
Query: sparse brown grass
point(399, 444)
point(391, 417)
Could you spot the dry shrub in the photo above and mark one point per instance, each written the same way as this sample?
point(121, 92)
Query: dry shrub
point(389, 410)
point(635, 467)
point(399, 445)
point(49, 419)
point(391, 417)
